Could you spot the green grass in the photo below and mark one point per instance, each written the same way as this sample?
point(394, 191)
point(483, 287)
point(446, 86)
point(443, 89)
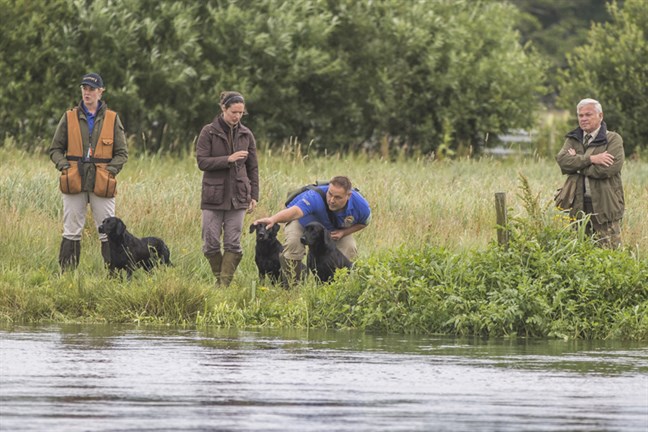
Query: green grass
point(427, 263)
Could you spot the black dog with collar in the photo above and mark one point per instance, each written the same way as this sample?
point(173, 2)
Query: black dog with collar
point(128, 252)
point(267, 251)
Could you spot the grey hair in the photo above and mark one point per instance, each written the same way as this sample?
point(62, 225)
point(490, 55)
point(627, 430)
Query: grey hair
point(582, 103)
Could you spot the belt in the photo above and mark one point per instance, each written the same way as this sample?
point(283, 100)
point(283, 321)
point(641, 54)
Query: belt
point(88, 160)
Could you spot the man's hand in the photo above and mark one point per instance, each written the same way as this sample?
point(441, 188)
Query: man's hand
point(605, 159)
point(337, 235)
point(285, 215)
point(252, 206)
point(267, 222)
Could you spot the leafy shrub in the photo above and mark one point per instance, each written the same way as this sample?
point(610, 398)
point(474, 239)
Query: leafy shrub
point(549, 280)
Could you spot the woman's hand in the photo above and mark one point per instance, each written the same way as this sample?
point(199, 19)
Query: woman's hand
point(252, 206)
point(237, 156)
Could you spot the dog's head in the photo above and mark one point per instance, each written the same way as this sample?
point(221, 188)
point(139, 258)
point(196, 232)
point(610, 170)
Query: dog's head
point(314, 234)
point(113, 226)
point(264, 234)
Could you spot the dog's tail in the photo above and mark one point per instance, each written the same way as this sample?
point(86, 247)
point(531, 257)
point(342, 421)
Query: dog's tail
point(160, 249)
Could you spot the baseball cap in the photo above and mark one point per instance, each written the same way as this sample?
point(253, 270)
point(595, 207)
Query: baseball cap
point(93, 80)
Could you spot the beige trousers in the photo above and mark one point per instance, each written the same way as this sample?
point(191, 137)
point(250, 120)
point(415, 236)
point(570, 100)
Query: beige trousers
point(74, 213)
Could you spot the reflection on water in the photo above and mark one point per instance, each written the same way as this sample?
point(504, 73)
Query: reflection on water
point(113, 378)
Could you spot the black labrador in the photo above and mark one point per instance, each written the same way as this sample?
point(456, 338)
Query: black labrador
point(128, 252)
point(267, 251)
point(323, 257)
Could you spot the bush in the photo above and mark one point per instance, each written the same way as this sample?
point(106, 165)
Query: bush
point(345, 75)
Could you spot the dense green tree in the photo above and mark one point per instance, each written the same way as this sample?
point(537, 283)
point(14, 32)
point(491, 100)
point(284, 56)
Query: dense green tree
point(343, 74)
point(613, 68)
point(35, 39)
point(554, 28)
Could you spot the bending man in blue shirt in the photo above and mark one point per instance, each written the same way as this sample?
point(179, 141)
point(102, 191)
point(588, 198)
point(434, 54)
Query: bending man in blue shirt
point(349, 211)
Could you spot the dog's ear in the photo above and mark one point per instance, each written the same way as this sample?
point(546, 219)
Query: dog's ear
point(325, 235)
point(275, 229)
point(121, 227)
point(252, 228)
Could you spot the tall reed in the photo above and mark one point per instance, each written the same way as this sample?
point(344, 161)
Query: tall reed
point(419, 206)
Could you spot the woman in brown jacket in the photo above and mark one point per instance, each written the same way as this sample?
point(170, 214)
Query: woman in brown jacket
point(226, 153)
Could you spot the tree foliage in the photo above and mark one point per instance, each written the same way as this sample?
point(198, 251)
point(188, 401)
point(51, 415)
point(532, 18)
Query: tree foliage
point(344, 74)
point(557, 27)
point(31, 46)
point(613, 68)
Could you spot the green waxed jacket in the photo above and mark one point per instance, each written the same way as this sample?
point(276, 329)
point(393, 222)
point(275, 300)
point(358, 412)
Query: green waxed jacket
point(59, 146)
point(605, 183)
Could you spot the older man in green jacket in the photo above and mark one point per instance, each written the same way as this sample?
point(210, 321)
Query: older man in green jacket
point(594, 157)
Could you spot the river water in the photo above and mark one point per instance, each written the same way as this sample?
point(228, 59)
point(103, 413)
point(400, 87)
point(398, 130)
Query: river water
point(113, 378)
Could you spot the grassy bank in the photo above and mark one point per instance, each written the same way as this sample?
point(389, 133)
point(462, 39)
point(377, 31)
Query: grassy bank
point(427, 262)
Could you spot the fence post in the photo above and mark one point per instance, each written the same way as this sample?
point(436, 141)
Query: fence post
point(502, 219)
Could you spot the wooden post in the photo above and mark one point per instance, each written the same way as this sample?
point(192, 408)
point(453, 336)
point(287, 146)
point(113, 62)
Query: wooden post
point(502, 219)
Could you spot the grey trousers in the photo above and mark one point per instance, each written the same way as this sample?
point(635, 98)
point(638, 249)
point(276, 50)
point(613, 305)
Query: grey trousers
point(295, 250)
point(229, 223)
point(74, 213)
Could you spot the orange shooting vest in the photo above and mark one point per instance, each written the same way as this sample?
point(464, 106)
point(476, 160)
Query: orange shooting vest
point(105, 183)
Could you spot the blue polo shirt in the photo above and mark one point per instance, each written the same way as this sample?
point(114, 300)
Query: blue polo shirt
point(90, 117)
point(357, 210)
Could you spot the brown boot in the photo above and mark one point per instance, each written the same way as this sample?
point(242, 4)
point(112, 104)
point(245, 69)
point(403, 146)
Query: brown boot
point(231, 261)
point(69, 254)
point(292, 271)
point(215, 262)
